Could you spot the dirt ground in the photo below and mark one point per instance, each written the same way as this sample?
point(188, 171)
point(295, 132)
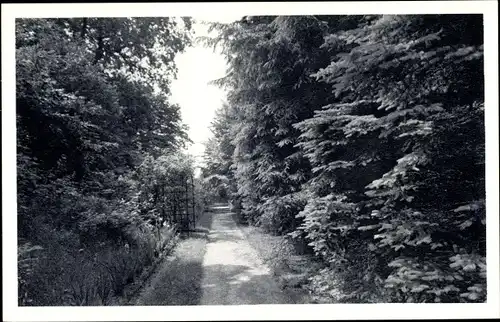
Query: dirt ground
point(233, 271)
point(216, 265)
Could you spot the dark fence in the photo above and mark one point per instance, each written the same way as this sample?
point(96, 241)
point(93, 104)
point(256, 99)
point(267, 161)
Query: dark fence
point(178, 206)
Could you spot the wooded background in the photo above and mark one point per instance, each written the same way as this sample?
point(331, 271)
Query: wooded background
point(99, 147)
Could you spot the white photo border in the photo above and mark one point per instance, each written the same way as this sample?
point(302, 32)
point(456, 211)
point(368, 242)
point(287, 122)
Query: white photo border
point(11, 311)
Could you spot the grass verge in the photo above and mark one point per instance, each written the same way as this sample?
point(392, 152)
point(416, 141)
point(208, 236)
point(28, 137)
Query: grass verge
point(177, 280)
point(292, 271)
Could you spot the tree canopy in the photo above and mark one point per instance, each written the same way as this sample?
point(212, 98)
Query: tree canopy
point(96, 139)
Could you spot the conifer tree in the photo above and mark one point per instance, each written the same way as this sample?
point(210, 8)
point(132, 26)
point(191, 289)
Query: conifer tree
point(371, 129)
point(399, 159)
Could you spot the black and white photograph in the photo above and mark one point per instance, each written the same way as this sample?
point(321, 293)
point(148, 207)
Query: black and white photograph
point(250, 160)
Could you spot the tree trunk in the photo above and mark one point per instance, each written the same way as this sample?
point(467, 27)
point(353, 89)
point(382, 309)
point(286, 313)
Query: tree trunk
point(99, 53)
point(83, 31)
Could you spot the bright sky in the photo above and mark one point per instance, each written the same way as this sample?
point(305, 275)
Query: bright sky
point(198, 100)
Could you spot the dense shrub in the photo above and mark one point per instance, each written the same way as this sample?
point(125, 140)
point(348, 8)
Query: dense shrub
point(95, 136)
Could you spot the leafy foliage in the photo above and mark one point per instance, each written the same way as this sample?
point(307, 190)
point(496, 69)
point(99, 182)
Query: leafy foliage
point(364, 135)
point(96, 136)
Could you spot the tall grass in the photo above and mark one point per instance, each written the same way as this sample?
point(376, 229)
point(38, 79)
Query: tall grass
point(59, 273)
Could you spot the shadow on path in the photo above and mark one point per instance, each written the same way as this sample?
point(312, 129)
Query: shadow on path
point(214, 265)
point(233, 273)
point(240, 285)
point(178, 279)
